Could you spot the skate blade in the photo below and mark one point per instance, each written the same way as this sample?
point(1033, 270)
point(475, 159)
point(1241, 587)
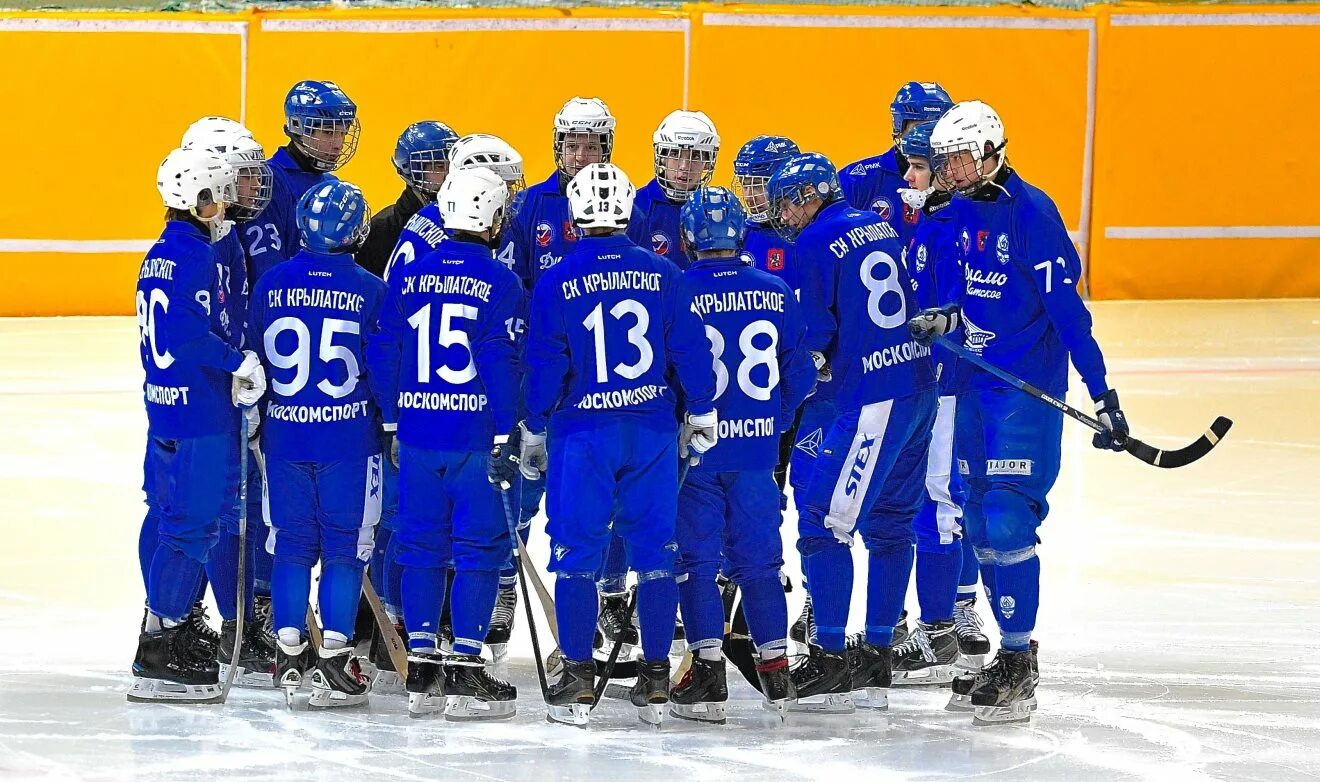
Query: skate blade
point(248, 678)
point(651, 713)
point(925, 677)
point(146, 690)
point(959, 703)
point(872, 698)
point(388, 683)
point(829, 703)
point(779, 707)
point(971, 662)
point(1004, 715)
point(424, 704)
point(712, 712)
point(333, 699)
point(575, 714)
point(288, 696)
point(467, 708)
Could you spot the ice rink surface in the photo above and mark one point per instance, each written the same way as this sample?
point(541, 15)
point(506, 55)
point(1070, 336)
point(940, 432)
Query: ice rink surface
point(1179, 631)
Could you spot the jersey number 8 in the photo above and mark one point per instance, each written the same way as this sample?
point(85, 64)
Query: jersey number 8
point(752, 358)
point(878, 288)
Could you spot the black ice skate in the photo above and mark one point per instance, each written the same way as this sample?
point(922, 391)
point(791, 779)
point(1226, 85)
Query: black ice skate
point(871, 669)
point(615, 623)
point(387, 681)
point(164, 670)
point(803, 630)
point(202, 641)
point(570, 699)
point(973, 645)
point(928, 656)
point(291, 666)
point(1009, 693)
point(901, 631)
point(256, 664)
point(823, 684)
point(776, 684)
point(337, 680)
point(426, 684)
point(471, 694)
point(702, 692)
point(651, 692)
point(963, 686)
point(501, 624)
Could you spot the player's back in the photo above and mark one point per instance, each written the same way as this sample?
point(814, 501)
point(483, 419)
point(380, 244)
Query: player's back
point(862, 304)
point(604, 310)
point(762, 370)
point(872, 184)
point(185, 330)
point(311, 318)
point(771, 253)
point(445, 309)
point(659, 230)
point(422, 233)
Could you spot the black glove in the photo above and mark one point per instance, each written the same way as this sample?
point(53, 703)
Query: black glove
point(389, 443)
point(934, 322)
point(1115, 423)
point(505, 458)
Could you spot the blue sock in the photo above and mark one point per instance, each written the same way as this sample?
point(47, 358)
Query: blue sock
point(703, 613)
point(472, 601)
point(290, 589)
point(829, 567)
point(222, 570)
point(971, 571)
point(766, 610)
point(148, 540)
point(340, 592)
point(937, 582)
point(887, 576)
point(376, 566)
point(393, 594)
point(199, 592)
point(576, 608)
point(1018, 589)
point(421, 591)
point(657, 607)
point(261, 560)
point(988, 581)
point(171, 583)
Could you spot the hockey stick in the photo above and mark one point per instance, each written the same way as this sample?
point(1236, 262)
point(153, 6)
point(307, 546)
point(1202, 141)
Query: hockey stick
point(604, 678)
point(1180, 457)
point(393, 643)
point(242, 553)
point(542, 594)
point(519, 557)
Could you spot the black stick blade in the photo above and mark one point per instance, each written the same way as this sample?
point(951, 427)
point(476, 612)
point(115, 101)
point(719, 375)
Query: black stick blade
point(1182, 456)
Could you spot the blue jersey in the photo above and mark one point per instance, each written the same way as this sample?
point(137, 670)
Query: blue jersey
point(762, 368)
point(872, 184)
point(311, 318)
point(297, 181)
point(771, 253)
point(607, 327)
point(658, 229)
point(188, 334)
point(937, 279)
point(1020, 305)
point(272, 235)
point(422, 233)
point(443, 364)
point(857, 297)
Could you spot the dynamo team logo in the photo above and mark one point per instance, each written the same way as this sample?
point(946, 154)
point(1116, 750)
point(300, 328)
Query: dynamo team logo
point(544, 233)
point(660, 243)
point(975, 337)
point(881, 207)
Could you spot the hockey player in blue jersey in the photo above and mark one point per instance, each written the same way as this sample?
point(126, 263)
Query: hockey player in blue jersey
point(445, 375)
point(857, 298)
point(426, 230)
point(756, 162)
point(322, 125)
point(686, 145)
point(311, 317)
point(729, 502)
point(608, 331)
point(195, 376)
point(873, 183)
point(1020, 310)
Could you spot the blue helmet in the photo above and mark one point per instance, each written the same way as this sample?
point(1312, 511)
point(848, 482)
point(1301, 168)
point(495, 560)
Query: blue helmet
point(333, 217)
point(804, 177)
point(756, 162)
point(918, 101)
point(422, 146)
point(916, 142)
point(712, 219)
point(313, 107)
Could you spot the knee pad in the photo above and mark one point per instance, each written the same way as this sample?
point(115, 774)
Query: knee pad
point(1010, 521)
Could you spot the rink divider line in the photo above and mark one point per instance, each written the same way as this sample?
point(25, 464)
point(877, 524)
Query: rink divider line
point(404, 26)
point(1214, 232)
point(893, 22)
point(75, 245)
point(1214, 20)
point(36, 25)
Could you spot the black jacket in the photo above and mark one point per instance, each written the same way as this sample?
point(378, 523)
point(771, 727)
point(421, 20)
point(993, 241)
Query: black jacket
point(385, 229)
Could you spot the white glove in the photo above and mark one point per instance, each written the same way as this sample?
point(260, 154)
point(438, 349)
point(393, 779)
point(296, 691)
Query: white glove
point(249, 381)
point(533, 459)
point(823, 372)
point(697, 435)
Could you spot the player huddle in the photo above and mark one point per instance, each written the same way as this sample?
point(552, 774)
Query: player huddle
point(656, 363)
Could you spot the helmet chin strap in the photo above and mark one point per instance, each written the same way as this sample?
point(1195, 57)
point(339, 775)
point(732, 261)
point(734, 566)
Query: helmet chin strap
point(216, 223)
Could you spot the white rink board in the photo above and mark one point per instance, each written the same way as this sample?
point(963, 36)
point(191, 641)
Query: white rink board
point(1179, 630)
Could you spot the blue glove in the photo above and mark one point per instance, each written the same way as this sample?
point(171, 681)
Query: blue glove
point(505, 456)
point(934, 322)
point(1115, 423)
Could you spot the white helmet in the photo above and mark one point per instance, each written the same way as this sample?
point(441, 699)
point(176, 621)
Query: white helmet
point(482, 150)
point(201, 133)
point(973, 127)
point(691, 132)
point(473, 200)
point(585, 116)
point(248, 159)
point(189, 179)
point(600, 196)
